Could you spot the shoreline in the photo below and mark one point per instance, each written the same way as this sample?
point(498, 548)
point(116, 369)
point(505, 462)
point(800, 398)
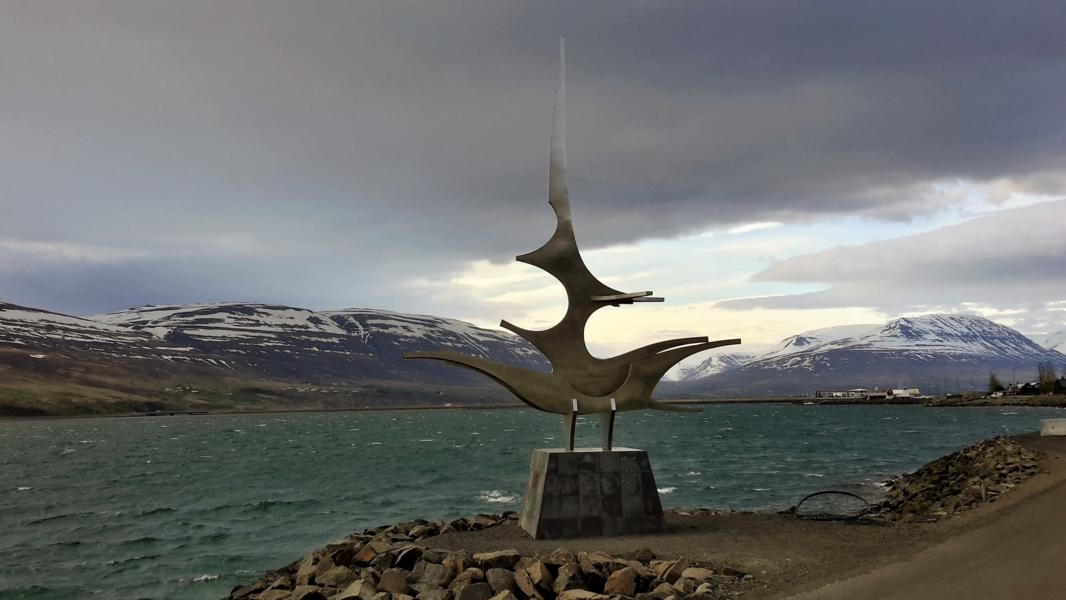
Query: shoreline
point(1023, 401)
point(760, 555)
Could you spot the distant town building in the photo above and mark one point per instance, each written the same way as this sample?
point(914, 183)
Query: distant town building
point(867, 394)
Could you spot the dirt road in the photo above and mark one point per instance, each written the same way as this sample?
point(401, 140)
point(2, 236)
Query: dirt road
point(1019, 553)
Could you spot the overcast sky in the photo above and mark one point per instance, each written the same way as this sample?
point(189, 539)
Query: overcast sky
point(768, 167)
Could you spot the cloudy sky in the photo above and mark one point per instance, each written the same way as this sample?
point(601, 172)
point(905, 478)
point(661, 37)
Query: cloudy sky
point(767, 167)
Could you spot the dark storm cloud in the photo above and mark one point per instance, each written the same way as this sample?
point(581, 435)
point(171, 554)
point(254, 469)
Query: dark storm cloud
point(355, 139)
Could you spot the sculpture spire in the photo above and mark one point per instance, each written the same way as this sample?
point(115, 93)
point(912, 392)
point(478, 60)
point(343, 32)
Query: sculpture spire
point(558, 195)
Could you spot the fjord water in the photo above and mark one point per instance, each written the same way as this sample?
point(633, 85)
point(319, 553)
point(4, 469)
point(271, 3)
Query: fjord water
point(187, 507)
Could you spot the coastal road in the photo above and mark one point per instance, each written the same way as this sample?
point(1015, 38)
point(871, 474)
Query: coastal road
point(1019, 554)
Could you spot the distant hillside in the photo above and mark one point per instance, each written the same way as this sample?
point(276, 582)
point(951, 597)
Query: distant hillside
point(245, 356)
point(939, 353)
point(240, 356)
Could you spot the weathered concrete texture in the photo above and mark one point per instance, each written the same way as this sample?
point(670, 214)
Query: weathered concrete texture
point(590, 492)
point(1050, 427)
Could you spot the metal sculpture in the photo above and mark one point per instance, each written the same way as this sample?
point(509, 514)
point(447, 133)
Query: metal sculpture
point(579, 382)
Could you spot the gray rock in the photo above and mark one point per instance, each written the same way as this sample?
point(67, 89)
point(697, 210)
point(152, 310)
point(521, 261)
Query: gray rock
point(685, 586)
point(406, 557)
point(360, 589)
point(435, 594)
point(394, 581)
point(541, 576)
point(432, 574)
point(622, 582)
point(434, 555)
point(569, 578)
point(525, 584)
point(581, 595)
point(500, 580)
point(698, 573)
point(336, 577)
point(502, 559)
point(475, 591)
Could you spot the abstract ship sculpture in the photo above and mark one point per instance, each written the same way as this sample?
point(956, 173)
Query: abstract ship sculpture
point(579, 382)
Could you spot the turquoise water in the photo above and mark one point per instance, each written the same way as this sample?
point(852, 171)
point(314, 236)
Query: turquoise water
point(188, 507)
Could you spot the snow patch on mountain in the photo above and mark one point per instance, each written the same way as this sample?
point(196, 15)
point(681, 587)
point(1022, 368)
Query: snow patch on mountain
point(807, 340)
point(719, 362)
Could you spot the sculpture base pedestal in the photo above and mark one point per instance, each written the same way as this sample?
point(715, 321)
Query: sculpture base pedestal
point(590, 492)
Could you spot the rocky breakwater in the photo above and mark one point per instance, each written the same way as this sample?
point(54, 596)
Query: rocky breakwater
point(958, 482)
point(398, 562)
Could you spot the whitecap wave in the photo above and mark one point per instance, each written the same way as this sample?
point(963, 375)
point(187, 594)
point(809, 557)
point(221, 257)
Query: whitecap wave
point(667, 490)
point(497, 497)
point(203, 578)
point(23, 488)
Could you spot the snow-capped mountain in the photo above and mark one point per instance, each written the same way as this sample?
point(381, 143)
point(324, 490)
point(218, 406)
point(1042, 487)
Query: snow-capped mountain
point(1051, 341)
point(808, 339)
point(936, 351)
point(41, 330)
point(718, 362)
point(268, 341)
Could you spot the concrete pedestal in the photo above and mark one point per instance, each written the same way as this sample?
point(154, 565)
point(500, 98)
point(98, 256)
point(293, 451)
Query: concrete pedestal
point(1051, 427)
point(590, 492)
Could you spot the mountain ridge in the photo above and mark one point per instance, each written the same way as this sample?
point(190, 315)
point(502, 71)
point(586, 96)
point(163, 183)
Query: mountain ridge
point(911, 351)
point(270, 350)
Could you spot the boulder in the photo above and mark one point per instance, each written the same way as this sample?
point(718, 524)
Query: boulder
point(559, 557)
point(422, 531)
point(685, 586)
point(382, 596)
point(540, 575)
point(432, 574)
point(457, 561)
point(394, 581)
point(360, 589)
point(364, 555)
point(505, 595)
point(581, 595)
point(569, 578)
point(435, 594)
point(383, 561)
point(699, 574)
point(483, 521)
point(669, 570)
point(525, 584)
point(341, 554)
point(468, 576)
point(276, 595)
point(406, 557)
point(502, 559)
point(305, 574)
point(663, 590)
point(500, 580)
point(621, 582)
point(434, 555)
point(475, 591)
point(336, 577)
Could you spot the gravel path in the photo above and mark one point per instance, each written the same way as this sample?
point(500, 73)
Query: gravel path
point(1019, 552)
